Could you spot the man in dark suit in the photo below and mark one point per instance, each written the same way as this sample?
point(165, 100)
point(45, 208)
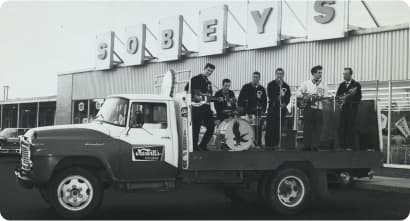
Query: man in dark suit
point(226, 100)
point(349, 95)
point(279, 98)
point(253, 100)
point(202, 115)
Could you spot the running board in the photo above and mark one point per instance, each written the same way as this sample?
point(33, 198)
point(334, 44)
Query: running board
point(153, 186)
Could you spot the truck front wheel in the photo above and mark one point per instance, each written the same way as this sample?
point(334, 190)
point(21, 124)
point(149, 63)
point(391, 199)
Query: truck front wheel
point(288, 191)
point(75, 193)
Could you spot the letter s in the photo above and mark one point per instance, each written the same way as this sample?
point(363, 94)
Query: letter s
point(102, 50)
point(329, 12)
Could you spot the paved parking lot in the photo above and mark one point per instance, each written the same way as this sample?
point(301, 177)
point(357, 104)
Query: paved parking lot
point(200, 202)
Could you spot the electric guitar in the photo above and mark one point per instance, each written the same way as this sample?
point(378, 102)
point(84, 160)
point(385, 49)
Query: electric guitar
point(341, 100)
point(200, 99)
point(307, 100)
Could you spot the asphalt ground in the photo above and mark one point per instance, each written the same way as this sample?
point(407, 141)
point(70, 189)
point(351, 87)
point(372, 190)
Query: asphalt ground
point(200, 202)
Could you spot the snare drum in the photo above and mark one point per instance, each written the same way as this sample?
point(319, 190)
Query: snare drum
point(236, 133)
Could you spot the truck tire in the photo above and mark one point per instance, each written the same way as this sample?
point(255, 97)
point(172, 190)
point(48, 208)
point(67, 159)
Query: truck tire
point(83, 193)
point(288, 191)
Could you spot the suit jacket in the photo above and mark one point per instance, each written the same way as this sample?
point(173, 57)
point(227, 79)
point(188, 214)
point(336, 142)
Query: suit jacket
point(354, 100)
point(248, 98)
point(200, 84)
point(223, 105)
point(273, 95)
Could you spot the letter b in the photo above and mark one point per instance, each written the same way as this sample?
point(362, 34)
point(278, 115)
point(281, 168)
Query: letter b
point(166, 40)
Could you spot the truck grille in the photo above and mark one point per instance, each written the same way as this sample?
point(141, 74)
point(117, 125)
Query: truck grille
point(25, 155)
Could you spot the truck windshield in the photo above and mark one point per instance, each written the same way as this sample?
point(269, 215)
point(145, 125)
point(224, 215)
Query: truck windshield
point(114, 111)
point(9, 132)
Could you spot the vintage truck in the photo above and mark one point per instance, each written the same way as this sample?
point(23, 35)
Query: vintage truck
point(144, 142)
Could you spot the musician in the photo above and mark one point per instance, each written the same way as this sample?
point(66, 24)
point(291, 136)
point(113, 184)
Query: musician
point(226, 101)
point(312, 115)
point(349, 94)
point(279, 98)
point(253, 100)
point(202, 115)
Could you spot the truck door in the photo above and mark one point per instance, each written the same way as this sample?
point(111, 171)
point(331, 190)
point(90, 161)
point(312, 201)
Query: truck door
point(148, 151)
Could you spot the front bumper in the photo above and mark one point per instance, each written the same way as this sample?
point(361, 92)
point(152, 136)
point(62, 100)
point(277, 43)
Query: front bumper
point(5, 150)
point(23, 178)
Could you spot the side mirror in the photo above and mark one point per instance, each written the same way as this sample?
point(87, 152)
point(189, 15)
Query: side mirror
point(138, 120)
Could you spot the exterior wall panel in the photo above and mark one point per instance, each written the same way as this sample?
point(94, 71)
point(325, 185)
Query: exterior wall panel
point(64, 97)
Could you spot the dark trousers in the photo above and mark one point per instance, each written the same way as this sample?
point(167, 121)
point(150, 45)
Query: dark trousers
point(312, 127)
point(273, 127)
point(347, 129)
point(202, 116)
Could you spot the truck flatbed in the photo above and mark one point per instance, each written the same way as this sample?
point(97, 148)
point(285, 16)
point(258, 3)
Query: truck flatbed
point(268, 160)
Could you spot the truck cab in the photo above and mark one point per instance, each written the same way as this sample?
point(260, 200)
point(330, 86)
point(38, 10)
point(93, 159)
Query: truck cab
point(144, 142)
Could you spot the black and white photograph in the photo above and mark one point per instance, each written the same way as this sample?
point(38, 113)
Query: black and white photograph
point(205, 110)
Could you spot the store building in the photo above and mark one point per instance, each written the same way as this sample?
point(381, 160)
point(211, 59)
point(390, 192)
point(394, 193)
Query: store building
point(28, 112)
point(379, 58)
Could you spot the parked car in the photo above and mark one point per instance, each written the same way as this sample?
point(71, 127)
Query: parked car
point(9, 140)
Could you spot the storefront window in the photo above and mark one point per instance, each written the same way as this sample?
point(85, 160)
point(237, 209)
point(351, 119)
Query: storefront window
point(95, 105)
point(9, 116)
point(399, 124)
point(46, 113)
point(80, 109)
point(28, 115)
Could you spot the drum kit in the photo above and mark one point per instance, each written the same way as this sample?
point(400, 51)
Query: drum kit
point(236, 132)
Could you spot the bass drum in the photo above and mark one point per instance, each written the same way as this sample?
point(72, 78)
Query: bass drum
point(237, 134)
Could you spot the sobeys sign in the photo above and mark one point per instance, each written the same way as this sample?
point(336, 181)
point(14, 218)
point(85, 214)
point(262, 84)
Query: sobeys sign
point(324, 20)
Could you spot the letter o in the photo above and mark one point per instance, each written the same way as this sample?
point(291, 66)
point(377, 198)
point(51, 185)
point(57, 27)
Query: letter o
point(132, 45)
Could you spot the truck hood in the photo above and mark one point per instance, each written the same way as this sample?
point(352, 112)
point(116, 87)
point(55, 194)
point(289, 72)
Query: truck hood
point(94, 130)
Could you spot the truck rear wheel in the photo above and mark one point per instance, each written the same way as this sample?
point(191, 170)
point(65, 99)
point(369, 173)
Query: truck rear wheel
point(288, 191)
point(75, 193)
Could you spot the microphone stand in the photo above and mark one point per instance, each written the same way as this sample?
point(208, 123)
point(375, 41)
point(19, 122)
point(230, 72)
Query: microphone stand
point(280, 116)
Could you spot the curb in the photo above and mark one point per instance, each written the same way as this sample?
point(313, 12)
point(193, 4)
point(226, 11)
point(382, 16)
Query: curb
point(377, 184)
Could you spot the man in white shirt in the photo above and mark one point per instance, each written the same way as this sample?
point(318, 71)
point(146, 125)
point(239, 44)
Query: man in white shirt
point(312, 115)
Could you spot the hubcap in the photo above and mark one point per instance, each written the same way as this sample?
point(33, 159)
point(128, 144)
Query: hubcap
point(291, 191)
point(345, 177)
point(75, 193)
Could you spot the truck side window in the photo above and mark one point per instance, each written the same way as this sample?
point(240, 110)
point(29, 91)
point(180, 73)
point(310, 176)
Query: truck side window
point(155, 114)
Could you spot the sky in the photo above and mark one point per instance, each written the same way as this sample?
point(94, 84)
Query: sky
point(38, 40)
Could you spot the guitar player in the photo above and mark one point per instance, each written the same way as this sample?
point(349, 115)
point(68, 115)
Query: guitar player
point(202, 115)
point(312, 115)
point(350, 94)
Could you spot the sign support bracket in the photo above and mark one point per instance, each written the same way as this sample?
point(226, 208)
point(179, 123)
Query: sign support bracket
point(366, 6)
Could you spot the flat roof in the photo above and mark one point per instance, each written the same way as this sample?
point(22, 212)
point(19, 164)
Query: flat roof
point(29, 100)
point(141, 96)
point(353, 31)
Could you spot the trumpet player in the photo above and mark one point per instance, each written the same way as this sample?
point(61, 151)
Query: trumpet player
point(279, 97)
